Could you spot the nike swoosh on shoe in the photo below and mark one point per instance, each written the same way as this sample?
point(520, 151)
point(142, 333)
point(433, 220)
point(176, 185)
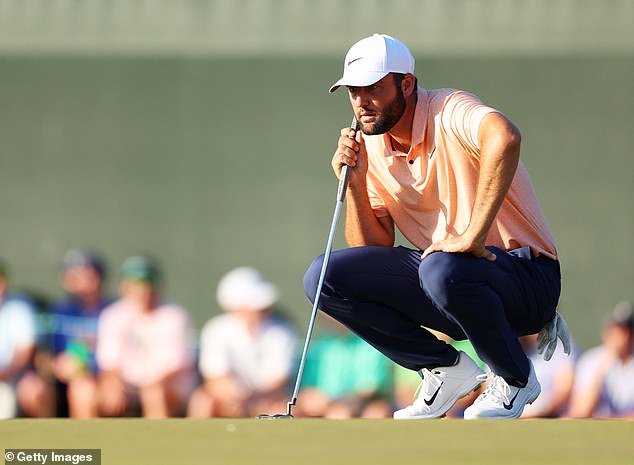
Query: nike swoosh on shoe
point(509, 406)
point(433, 398)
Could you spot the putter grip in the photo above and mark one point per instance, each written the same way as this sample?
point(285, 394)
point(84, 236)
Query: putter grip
point(345, 170)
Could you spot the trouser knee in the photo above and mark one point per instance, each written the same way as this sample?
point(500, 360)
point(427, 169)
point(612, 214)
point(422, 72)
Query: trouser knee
point(439, 278)
point(311, 277)
point(331, 299)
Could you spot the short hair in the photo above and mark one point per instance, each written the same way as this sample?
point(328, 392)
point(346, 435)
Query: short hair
point(398, 79)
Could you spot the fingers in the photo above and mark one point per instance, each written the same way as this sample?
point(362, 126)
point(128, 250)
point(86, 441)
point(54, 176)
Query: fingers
point(351, 140)
point(348, 132)
point(566, 343)
point(348, 150)
point(431, 249)
point(448, 246)
point(542, 340)
point(550, 350)
point(548, 336)
point(563, 333)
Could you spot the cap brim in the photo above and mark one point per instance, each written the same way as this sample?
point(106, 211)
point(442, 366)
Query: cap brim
point(360, 80)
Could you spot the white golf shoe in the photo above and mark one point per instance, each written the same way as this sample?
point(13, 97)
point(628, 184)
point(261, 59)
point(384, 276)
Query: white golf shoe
point(441, 388)
point(500, 400)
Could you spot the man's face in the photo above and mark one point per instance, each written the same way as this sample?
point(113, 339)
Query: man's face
point(378, 107)
point(81, 280)
point(619, 339)
point(140, 293)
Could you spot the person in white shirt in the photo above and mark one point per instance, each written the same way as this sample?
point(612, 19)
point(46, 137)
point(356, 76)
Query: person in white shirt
point(246, 354)
point(22, 390)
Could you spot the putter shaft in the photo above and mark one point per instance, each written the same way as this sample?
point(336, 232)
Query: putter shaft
point(311, 324)
point(341, 194)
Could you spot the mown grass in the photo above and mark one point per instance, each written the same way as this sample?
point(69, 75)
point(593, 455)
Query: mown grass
point(368, 442)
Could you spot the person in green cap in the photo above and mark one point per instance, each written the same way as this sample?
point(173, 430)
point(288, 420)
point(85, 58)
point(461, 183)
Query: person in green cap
point(144, 348)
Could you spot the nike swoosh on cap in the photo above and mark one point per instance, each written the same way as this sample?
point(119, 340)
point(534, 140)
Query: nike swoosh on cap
point(352, 61)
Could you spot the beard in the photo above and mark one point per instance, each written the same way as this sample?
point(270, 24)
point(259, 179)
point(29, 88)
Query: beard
point(387, 118)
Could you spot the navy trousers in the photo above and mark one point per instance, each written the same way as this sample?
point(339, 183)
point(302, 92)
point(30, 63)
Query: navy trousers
point(387, 295)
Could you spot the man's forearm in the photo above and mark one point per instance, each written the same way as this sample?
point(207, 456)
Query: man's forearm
point(362, 226)
point(498, 162)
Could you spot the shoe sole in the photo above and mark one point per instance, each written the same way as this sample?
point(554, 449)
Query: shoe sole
point(442, 411)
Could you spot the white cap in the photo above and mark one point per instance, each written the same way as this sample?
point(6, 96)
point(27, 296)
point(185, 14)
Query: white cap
point(245, 288)
point(373, 58)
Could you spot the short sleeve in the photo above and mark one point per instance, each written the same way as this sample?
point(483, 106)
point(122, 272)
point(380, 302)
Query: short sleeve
point(461, 118)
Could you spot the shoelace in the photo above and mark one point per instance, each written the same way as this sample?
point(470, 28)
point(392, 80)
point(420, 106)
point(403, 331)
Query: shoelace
point(498, 390)
point(430, 383)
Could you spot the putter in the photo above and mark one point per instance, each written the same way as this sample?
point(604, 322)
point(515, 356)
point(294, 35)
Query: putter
point(341, 195)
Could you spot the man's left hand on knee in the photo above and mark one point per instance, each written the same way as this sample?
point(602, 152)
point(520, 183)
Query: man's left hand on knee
point(460, 244)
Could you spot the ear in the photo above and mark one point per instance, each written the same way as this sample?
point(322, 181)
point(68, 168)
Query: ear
point(408, 85)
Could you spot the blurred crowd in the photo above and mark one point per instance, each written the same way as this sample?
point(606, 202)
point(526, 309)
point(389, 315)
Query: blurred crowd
point(138, 354)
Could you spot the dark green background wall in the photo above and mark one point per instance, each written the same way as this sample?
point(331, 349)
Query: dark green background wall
point(209, 163)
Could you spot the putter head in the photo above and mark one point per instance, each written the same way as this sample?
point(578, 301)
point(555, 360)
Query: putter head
point(276, 416)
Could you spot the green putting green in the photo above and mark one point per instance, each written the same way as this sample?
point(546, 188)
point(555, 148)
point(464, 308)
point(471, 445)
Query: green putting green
point(368, 442)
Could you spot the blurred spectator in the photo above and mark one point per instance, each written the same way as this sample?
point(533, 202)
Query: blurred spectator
point(604, 385)
point(345, 377)
point(246, 354)
point(22, 391)
point(143, 348)
point(407, 381)
point(556, 377)
point(74, 332)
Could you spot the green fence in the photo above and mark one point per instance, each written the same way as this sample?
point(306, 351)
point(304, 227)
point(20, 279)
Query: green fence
point(201, 131)
point(214, 163)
